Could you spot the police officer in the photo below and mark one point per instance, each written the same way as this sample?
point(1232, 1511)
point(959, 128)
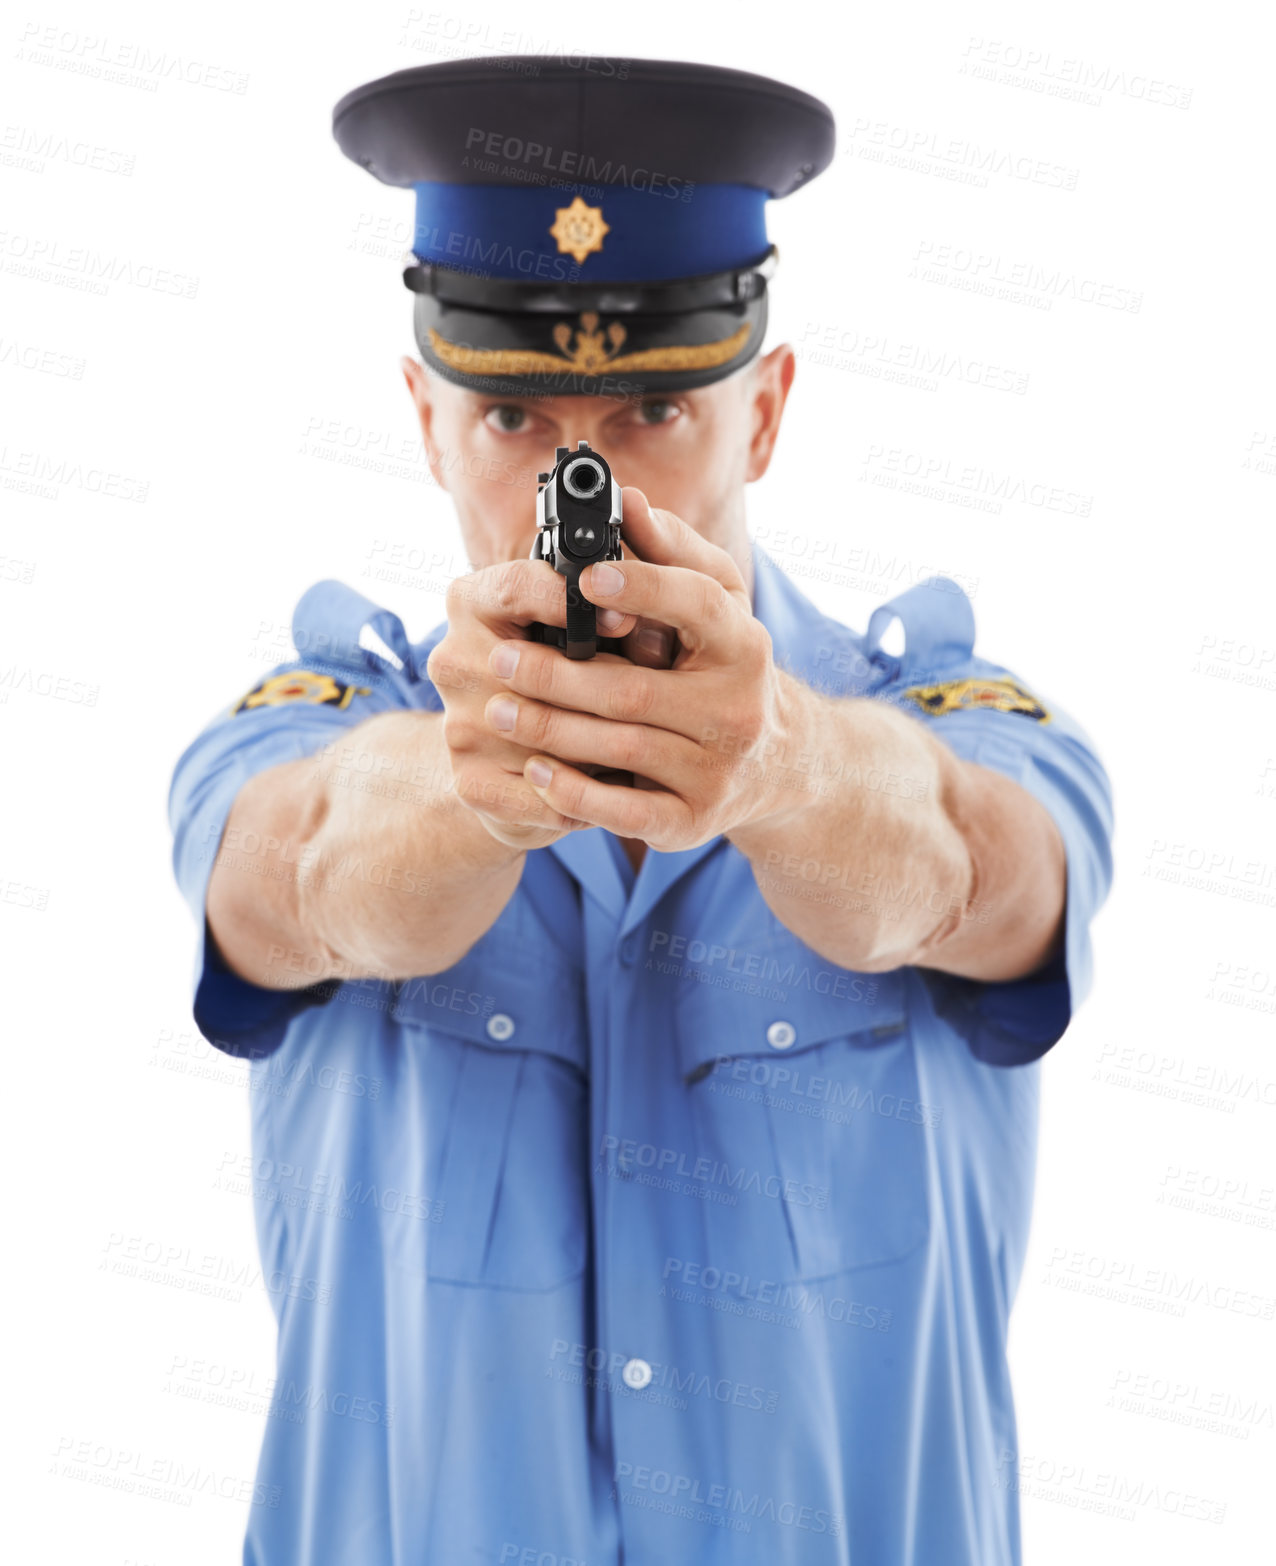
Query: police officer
point(651, 1040)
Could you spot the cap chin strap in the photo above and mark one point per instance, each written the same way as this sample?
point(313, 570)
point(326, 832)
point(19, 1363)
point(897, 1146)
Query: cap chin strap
point(736, 287)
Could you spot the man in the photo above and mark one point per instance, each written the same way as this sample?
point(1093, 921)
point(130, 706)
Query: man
point(645, 1045)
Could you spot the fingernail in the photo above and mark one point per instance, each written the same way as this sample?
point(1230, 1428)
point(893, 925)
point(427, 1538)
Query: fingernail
point(606, 579)
point(503, 713)
point(609, 619)
point(538, 774)
point(504, 660)
point(655, 642)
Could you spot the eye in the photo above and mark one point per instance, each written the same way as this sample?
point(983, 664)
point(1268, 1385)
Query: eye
point(506, 417)
point(657, 410)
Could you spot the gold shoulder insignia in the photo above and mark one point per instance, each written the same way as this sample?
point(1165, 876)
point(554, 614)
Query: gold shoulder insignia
point(300, 685)
point(977, 695)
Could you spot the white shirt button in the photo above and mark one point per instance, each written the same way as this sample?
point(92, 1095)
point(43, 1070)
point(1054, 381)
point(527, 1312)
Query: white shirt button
point(780, 1035)
point(499, 1026)
point(636, 1374)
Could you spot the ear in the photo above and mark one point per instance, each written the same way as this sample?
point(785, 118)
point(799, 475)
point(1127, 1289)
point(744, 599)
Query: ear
point(772, 377)
point(421, 392)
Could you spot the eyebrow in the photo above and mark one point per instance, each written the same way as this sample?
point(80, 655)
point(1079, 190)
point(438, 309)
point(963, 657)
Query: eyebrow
point(514, 399)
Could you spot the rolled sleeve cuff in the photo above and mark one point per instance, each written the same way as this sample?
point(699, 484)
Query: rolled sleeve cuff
point(234, 1015)
point(1016, 1022)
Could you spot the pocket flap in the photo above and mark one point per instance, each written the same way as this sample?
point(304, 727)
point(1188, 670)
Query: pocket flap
point(792, 1000)
point(503, 997)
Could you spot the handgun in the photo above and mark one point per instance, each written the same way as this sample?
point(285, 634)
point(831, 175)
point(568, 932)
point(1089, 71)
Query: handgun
point(578, 520)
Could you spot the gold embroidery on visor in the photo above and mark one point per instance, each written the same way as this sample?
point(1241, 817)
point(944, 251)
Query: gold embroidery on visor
point(588, 356)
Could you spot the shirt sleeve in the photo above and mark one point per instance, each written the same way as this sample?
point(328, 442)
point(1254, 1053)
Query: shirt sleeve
point(298, 709)
point(985, 714)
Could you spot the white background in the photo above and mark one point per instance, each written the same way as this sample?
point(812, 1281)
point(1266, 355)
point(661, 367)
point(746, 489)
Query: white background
point(262, 426)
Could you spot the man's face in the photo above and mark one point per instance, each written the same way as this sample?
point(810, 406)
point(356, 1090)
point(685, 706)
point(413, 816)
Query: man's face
point(690, 452)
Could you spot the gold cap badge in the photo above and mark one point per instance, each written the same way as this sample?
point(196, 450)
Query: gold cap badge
point(579, 230)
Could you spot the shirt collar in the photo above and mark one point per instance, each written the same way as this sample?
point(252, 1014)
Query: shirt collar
point(810, 645)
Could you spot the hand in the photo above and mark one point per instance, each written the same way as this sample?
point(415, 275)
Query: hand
point(681, 730)
point(484, 608)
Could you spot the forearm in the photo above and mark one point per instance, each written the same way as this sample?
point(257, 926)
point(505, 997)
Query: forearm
point(861, 856)
point(359, 862)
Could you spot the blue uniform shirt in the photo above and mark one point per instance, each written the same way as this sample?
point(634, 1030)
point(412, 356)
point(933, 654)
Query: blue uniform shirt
point(644, 1233)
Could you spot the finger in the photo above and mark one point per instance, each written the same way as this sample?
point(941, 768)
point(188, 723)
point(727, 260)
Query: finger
point(524, 838)
point(651, 645)
point(615, 623)
point(661, 538)
point(608, 686)
point(708, 617)
point(510, 595)
point(583, 739)
point(654, 816)
point(513, 594)
point(503, 798)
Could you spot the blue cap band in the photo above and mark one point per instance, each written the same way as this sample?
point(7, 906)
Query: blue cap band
point(653, 235)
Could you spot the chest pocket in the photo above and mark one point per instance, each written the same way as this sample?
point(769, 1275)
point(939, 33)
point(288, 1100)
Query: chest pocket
point(806, 1098)
point(502, 1046)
